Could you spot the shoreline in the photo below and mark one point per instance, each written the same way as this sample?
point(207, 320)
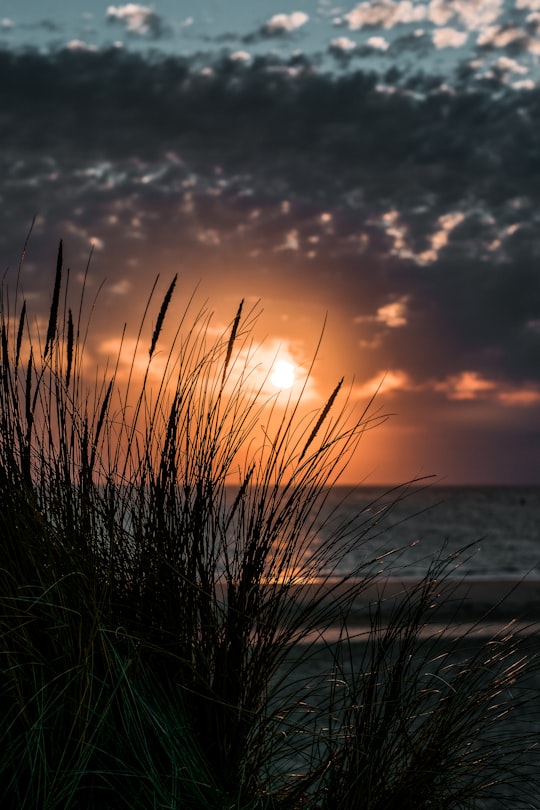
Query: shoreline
point(478, 603)
point(464, 631)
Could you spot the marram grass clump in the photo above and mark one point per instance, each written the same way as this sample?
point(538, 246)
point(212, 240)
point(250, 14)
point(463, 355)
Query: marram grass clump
point(161, 593)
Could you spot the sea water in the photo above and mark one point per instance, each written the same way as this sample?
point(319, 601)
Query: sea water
point(491, 535)
point(487, 532)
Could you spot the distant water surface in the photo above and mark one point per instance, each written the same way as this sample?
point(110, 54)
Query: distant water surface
point(500, 525)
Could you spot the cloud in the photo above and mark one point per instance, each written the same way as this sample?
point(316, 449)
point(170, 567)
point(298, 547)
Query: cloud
point(439, 239)
point(471, 385)
point(79, 45)
point(137, 19)
point(449, 38)
point(389, 207)
point(524, 84)
point(476, 14)
point(524, 397)
point(281, 24)
point(442, 139)
point(378, 43)
point(385, 13)
point(384, 384)
point(341, 46)
point(498, 36)
point(291, 241)
point(440, 12)
point(466, 385)
point(402, 243)
point(395, 313)
point(398, 203)
point(507, 65)
point(240, 56)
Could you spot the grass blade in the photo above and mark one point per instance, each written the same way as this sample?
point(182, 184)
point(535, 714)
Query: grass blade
point(324, 413)
point(232, 338)
point(161, 315)
point(53, 315)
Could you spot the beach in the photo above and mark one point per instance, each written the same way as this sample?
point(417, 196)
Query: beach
point(316, 667)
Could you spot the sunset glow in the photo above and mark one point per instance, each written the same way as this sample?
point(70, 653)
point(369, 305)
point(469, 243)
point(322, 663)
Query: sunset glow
point(375, 234)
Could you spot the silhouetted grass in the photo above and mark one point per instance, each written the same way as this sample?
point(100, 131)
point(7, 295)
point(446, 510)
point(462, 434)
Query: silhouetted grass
point(149, 607)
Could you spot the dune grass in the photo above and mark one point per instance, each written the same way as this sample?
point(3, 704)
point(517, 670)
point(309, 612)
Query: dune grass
point(157, 539)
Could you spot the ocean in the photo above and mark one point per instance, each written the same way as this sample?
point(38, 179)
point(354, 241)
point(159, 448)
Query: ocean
point(494, 531)
point(491, 536)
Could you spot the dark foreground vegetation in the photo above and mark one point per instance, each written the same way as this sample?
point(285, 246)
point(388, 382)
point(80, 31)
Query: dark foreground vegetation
point(153, 631)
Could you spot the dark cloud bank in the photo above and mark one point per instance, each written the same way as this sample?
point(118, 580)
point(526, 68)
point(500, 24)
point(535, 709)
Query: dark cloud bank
point(115, 103)
point(291, 177)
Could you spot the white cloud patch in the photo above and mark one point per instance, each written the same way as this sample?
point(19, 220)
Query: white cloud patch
point(472, 15)
point(79, 45)
point(524, 84)
point(439, 239)
point(533, 19)
point(137, 19)
point(384, 13)
point(394, 314)
point(291, 241)
point(398, 231)
point(495, 36)
point(534, 47)
point(497, 243)
point(440, 12)
point(342, 45)
point(6, 24)
point(284, 23)
point(395, 229)
point(240, 56)
point(507, 65)
point(378, 43)
point(449, 38)
point(475, 15)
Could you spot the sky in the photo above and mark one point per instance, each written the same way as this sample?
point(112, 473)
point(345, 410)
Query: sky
point(372, 168)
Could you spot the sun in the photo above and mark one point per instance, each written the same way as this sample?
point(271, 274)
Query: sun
point(282, 375)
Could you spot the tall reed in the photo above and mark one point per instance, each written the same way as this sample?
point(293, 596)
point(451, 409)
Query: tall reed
point(158, 567)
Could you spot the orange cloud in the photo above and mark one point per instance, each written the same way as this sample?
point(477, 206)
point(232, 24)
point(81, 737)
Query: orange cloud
point(392, 315)
point(467, 385)
point(470, 385)
point(524, 396)
point(384, 383)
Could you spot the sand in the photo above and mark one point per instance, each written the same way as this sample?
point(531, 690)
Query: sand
point(473, 611)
